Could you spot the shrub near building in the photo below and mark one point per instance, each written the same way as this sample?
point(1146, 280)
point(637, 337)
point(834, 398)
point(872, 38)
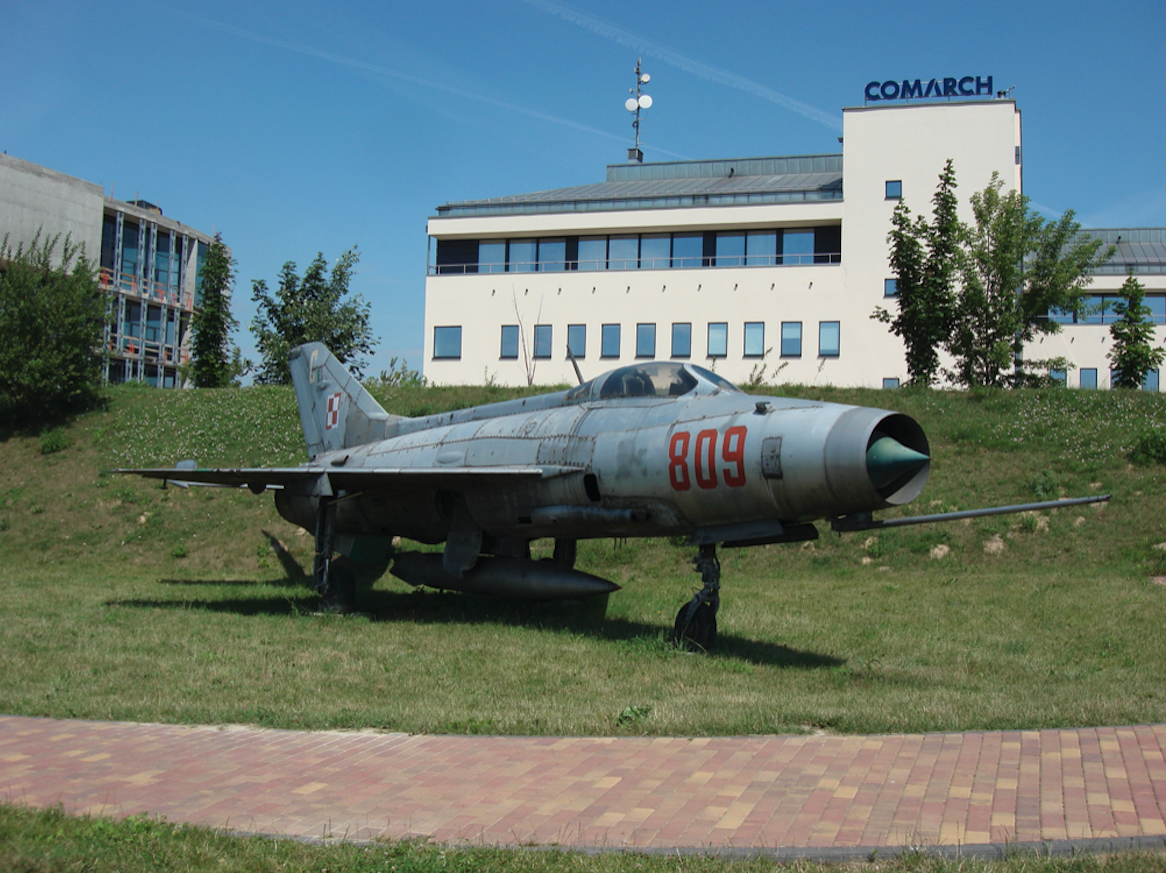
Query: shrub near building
point(52, 314)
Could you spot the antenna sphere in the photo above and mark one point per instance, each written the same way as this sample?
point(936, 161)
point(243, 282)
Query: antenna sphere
point(645, 78)
point(630, 104)
point(645, 102)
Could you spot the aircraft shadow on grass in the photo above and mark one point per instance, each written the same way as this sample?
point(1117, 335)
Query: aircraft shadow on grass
point(287, 561)
point(434, 607)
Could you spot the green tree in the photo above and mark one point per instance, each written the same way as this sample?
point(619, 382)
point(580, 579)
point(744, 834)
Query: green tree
point(53, 314)
point(1133, 355)
point(217, 362)
point(925, 259)
point(1016, 269)
point(315, 308)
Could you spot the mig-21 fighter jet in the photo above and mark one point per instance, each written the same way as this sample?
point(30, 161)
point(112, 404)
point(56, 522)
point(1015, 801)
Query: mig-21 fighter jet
point(652, 449)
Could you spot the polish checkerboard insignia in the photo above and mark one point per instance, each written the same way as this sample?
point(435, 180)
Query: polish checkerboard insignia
point(332, 419)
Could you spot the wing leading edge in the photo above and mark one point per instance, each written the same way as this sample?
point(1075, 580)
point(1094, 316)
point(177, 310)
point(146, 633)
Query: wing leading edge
point(259, 479)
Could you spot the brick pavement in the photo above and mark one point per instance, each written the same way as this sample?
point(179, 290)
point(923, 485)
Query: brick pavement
point(785, 792)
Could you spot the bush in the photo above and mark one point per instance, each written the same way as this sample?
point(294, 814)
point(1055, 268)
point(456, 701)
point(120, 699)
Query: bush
point(53, 441)
point(52, 314)
point(1150, 448)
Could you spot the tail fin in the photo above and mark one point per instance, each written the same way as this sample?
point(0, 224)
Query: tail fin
point(335, 410)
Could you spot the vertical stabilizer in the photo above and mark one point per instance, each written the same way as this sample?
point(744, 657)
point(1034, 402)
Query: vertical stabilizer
point(335, 410)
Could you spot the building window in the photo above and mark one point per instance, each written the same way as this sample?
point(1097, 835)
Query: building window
point(681, 340)
point(645, 340)
point(1150, 383)
point(542, 340)
point(890, 287)
point(509, 350)
point(609, 341)
point(108, 242)
point(1156, 303)
point(688, 250)
point(129, 253)
point(761, 248)
point(1089, 378)
point(730, 249)
point(1100, 309)
point(754, 339)
point(791, 339)
point(552, 255)
point(492, 257)
point(623, 253)
point(447, 343)
point(458, 256)
point(577, 340)
point(655, 251)
point(592, 253)
point(1059, 377)
point(522, 256)
point(895, 190)
point(890, 383)
point(162, 259)
point(718, 339)
point(829, 338)
point(797, 247)
point(649, 251)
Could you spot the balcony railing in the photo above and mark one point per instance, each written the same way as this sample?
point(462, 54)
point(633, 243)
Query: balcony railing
point(790, 260)
point(153, 292)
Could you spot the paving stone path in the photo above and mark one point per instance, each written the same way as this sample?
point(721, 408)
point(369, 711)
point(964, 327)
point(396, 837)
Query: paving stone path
point(795, 793)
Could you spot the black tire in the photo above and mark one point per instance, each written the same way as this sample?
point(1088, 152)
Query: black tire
point(699, 634)
point(341, 597)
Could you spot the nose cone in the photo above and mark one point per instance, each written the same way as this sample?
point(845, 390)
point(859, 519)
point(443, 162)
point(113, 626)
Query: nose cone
point(888, 460)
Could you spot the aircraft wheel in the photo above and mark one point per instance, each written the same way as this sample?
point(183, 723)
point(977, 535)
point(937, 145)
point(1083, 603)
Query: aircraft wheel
point(341, 597)
point(699, 634)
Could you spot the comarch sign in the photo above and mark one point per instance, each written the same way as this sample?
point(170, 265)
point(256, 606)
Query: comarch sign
point(967, 86)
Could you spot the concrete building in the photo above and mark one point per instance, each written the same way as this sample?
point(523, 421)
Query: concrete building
point(151, 263)
point(759, 267)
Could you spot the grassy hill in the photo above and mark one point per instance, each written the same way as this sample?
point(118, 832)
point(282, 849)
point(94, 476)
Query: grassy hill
point(125, 600)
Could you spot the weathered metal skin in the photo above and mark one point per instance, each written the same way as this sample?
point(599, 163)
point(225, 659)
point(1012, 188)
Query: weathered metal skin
point(628, 466)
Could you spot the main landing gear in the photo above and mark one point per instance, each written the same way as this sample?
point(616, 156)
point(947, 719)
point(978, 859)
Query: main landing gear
point(696, 623)
point(332, 577)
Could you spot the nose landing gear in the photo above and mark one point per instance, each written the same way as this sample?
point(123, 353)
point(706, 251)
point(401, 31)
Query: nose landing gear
point(696, 623)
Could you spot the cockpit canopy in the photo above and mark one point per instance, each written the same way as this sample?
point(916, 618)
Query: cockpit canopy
point(651, 379)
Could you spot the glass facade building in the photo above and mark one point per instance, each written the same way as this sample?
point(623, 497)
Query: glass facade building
point(148, 262)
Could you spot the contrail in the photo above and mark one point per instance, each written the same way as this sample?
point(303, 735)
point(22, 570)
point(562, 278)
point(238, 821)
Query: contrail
point(405, 77)
point(690, 65)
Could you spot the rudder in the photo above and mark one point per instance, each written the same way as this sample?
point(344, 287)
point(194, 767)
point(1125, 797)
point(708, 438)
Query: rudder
point(336, 412)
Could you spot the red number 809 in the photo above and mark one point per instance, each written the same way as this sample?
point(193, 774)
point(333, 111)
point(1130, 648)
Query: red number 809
point(704, 459)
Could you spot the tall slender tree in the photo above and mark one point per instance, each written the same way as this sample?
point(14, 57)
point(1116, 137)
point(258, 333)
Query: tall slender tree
point(925, 259)
point(1133, 355)
point(216, 362)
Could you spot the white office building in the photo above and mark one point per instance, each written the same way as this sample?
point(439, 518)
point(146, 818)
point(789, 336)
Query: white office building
point(738, 265)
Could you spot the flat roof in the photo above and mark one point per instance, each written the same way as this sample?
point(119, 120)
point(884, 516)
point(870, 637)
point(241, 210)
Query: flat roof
point(678, 184)
point(1139, 249)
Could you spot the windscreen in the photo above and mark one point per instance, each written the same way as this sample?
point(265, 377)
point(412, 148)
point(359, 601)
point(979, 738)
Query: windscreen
point(657, 379)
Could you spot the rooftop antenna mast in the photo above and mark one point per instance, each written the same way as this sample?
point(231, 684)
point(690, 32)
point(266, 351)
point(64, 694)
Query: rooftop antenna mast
point(635, 104)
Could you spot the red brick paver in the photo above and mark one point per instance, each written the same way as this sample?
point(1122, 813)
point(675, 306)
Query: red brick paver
point(764, 792)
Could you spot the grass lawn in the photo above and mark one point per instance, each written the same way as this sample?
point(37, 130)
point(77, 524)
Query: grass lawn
point(126, 601)
point(48, 841)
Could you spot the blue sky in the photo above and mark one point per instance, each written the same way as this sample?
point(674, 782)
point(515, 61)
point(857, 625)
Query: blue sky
point(298, 127)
